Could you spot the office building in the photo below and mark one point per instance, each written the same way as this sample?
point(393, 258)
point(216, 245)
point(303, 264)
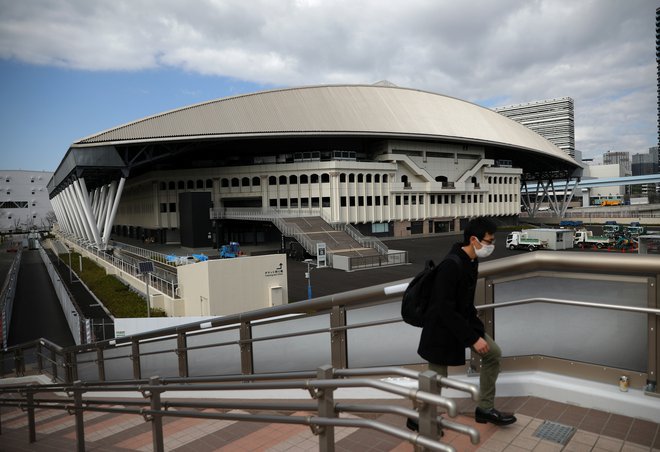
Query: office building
point(24, 203)
point(552, 119)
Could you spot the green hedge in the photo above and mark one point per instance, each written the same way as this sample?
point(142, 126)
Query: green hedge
point(115, 295)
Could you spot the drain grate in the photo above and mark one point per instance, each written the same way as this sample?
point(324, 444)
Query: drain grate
point(555, 432)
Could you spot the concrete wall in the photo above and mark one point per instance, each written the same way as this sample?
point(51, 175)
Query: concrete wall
point(229, 286)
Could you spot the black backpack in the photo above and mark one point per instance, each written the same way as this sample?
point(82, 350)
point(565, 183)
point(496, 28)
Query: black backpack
point(417, 295)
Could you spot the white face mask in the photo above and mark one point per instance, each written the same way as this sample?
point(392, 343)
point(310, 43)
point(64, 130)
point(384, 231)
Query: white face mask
point(484, 251)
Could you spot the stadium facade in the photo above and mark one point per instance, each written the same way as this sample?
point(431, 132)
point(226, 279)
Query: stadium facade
point(388, 160)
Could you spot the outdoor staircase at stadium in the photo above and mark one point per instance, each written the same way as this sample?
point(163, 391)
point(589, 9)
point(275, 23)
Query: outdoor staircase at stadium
point(311, 230)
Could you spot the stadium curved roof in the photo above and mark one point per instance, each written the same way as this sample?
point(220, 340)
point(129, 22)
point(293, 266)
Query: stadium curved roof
point(337, 112)
point(358, 110)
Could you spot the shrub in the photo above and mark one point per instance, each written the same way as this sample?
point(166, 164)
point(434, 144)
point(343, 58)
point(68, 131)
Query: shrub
point(116, 296)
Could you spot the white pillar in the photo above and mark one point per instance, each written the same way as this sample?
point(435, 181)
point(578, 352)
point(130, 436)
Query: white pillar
point(61, 219)
point(81, 189)
point(107, 225)
point(62, 214)
point(100, 215)
point(113, 212)
point(72, 208)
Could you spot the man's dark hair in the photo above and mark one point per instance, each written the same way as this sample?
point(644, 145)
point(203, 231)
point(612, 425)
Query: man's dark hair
point(478, 227)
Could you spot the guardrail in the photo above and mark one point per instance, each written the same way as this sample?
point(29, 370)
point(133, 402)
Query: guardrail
point(164, 285)
point(323, 408)
point(367, 242)
point(145, 253)
point(78, 325)
point(7, 296)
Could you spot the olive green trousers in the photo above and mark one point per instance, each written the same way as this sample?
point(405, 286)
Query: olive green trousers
point(490, 369)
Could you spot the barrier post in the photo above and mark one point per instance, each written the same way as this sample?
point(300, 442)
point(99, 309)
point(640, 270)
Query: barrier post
point(156, 419)
point(428, 412)
point(32, 433)
point(326, 407)
point(78, 412)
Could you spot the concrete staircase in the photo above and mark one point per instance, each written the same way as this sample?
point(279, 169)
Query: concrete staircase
point(337, 242)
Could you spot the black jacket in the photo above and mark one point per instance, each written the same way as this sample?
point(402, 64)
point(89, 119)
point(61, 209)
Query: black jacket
point(451, 322)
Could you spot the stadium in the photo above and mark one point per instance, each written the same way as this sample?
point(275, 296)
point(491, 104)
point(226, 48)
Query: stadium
point(381, 159)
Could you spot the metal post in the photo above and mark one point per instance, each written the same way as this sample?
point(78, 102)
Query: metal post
point(428, 412)
point(78, 412)
point(32, 433)
point(146, 280)
point(326, 407)
point(157, 419)
point(135, 356)
point(101, 363)
point(247, 365)
point(40, 363)
point(70, 270)
point(53, 357)
point(338, 337)
point(182, 353)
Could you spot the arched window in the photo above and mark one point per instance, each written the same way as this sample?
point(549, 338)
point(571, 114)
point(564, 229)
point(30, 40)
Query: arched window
point(272, 180)
point(293, 180)
point(209, 183)
point(500, 180)
point(351, 178)
point(163, 186)
point(384, 178)
point(304, 179)
point(234, 181)
point(368, 178)
point(256, 181)
point(181, 185)
point(325, 178)
point(245, 182)
point(490, 180)
point(282, 180)
point(314, 179)
point(171, 185)
point(441, 178)
point(200, 183)
point(224, 182)
point(376, 178)
point(190, 185)
point(360, 178)
point(342, 178)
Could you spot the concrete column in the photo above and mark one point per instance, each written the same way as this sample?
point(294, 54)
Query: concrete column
point(81, 190)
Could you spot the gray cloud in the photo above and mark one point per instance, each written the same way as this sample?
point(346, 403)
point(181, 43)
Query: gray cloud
point(601, 53)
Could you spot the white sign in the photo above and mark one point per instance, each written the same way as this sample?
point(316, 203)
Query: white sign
point(320, 255)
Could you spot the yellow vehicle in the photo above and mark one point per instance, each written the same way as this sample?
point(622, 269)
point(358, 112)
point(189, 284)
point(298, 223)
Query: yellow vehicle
point(611, 202)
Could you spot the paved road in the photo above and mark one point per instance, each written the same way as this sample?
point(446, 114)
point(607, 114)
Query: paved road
point(328, 281)
point(37, 312)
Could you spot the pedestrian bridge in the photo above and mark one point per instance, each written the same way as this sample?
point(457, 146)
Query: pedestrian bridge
point(570, 325)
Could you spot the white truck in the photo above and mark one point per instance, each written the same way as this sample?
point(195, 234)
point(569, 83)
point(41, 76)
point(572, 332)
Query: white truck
point(585, 238)
point(519, 240)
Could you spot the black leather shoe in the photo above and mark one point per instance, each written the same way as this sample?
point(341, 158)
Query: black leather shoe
point(412, 424)
point(493, 416)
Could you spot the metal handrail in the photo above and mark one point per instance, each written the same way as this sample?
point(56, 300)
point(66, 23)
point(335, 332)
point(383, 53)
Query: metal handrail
point(321, 388)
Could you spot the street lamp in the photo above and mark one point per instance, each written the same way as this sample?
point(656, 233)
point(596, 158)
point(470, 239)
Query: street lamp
point(308, 275)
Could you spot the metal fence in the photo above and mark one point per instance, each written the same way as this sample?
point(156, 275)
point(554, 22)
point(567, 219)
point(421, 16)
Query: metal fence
point(7, 296)
point(164, 285)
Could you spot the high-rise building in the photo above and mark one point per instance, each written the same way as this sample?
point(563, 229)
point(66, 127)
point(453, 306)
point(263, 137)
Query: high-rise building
point(552, 119)
point(643, 164)
point(622, 158)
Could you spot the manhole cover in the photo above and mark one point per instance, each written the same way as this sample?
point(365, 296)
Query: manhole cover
point(555, 432)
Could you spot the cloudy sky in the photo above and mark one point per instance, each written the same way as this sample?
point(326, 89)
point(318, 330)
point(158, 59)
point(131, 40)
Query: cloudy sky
point(71, 68)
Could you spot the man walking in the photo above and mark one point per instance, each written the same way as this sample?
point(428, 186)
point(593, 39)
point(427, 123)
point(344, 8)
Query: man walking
point(451, 323)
